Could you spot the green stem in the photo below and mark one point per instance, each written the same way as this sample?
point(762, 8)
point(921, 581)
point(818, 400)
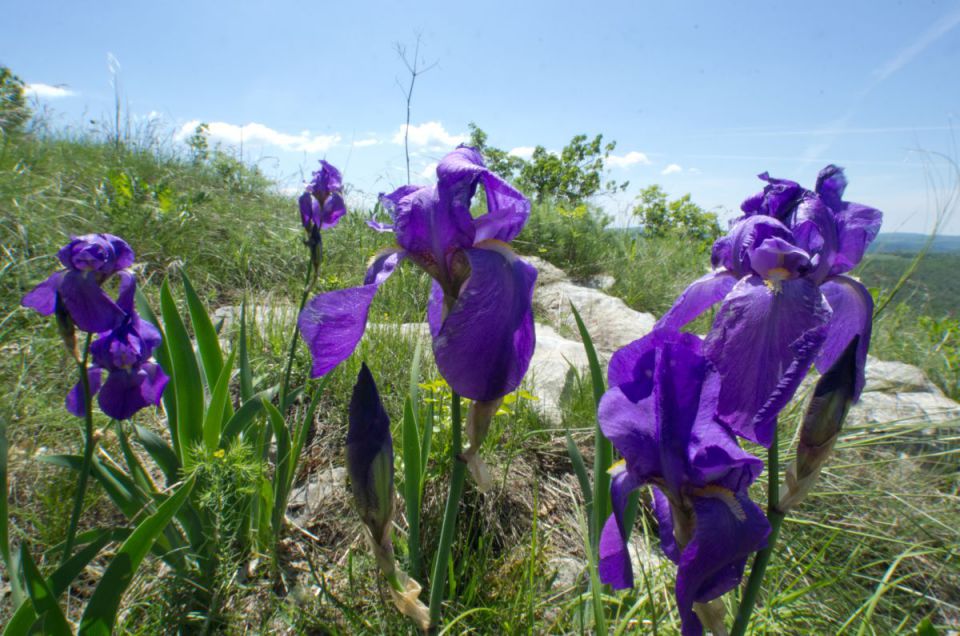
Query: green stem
point(775, 517)
point(307, 286)
point(439, 578)
point(88, 443)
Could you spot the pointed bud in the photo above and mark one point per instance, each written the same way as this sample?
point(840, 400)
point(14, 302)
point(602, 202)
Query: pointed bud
point(66, 328)
point(479, 418)
point(370, 457)
point(821, 426)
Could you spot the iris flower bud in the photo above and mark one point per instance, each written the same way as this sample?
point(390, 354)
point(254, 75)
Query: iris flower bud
point(370, 466)
point(832, 398)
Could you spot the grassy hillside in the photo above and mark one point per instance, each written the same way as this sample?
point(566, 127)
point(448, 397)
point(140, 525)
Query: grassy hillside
point(874, 551)
point(933, 289)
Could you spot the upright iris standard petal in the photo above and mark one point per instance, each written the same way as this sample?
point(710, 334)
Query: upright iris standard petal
point(777, 199)
point(430, 230)
point(332, 323)
point(104, 254)
point(507, 209)
point(486, 340)
point(370, 457)
point(762, 343)
point(857, 226)
point(852, 307)
point(321, 204)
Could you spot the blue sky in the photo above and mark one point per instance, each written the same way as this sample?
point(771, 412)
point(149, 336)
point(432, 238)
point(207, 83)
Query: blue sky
point(700, 96)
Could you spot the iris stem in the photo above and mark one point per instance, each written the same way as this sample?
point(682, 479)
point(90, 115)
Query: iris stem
point(439, 578)
point(312, 273)
point(88, 443)
point(760, 562)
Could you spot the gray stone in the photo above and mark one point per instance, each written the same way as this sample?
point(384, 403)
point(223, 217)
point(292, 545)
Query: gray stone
point(603, 282)
point(876, 407)
point(306, 499)
point(571, 572)
point(550, 367)
point(896, 377)
point(610, 322)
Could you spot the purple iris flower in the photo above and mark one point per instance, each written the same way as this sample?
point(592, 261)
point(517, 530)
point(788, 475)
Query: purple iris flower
point(785, 299)
point(658, 413)
point(321, 204)
point(133, 380)
point(88, 260)
point(480, 311)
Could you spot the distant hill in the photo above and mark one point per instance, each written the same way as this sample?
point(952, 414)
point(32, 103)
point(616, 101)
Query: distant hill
point(908, 242)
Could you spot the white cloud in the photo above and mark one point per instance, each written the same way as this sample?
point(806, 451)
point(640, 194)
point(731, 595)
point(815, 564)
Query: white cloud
point(629, 159)
point(429, 172)
point(363, 143)
point(693, 170)
point(46, 91)
point(254, 133)
point(671, 169)
point(524, 152)
point(431, 132)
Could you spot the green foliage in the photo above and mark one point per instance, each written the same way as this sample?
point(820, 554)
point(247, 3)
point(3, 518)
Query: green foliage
point(198, 143)
point(14, 111)
point(575, 238)
point(568, 178)
point(681, 218)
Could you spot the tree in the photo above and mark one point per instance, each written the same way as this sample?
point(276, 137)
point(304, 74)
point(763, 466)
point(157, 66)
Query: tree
point(569, 178)
point(680, 217)
point(499, 161)
point(14, 111)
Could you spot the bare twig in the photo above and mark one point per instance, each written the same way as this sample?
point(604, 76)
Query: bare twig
point(416, 67)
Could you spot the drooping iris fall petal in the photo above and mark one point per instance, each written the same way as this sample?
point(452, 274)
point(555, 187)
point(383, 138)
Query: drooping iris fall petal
point(484, 343)
point(762, 343)
point(332, 323)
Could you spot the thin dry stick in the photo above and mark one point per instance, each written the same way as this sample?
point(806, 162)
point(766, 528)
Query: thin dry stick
point(415, 69)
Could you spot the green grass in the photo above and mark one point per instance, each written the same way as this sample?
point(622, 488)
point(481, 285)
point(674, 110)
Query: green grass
point(874, 551)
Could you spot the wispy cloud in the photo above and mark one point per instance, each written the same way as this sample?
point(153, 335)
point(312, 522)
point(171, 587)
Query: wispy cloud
point(46, 91)
point(254, 133)
point(908, 53)
point(673, 168)
point(429, 133)
point(631, 158)
point(524, 152)
point(828, 131)
point(429, 171)
point(363, 143)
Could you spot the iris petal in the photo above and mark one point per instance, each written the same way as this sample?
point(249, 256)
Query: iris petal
point(485, 342)
point(75, 403)
point(332, 323)
point(729, 528)
point(857, 226)
point(89, 306)
point(43, 297)
point(762, 343)
point(702, 294)
point(852, 307)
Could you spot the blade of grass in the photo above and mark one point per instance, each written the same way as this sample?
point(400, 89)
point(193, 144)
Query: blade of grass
point(101, 612)
point(219, 406)
point(186, 376)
